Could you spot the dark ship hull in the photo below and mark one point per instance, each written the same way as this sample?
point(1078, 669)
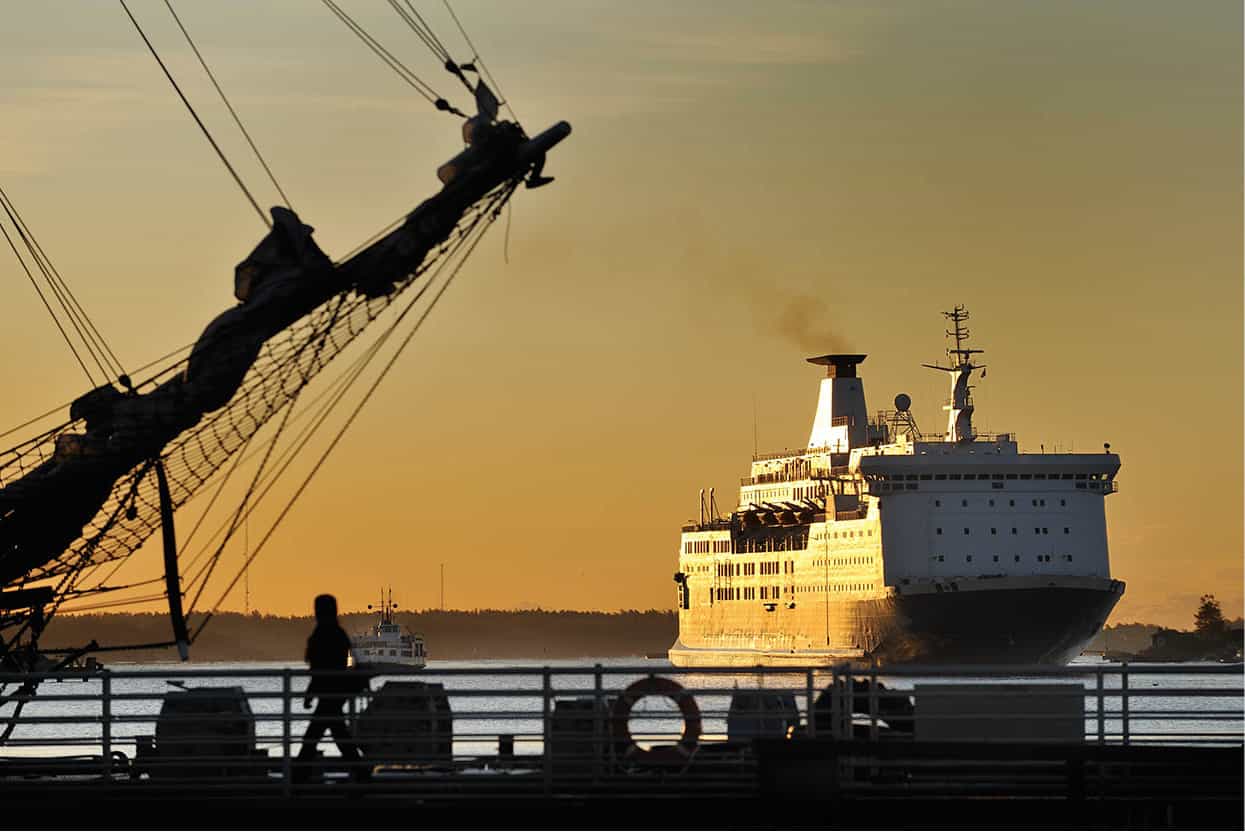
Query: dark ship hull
point(1027, 621)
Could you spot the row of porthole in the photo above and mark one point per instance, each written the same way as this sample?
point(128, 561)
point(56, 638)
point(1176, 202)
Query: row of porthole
point(911, 477)
point(969, 558)
point(1036, 503)
point(993, 530)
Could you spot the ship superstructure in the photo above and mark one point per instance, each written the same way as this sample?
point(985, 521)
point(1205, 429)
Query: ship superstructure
point(386, 645)
point(876, 542)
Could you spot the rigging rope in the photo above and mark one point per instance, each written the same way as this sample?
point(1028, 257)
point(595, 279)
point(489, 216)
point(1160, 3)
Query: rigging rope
point(236, 119)
point(490, 214)
point(101, 353)
point(425, 34)
point(131, 514)
point(48, 306)
point(476, 59)
point(35, 420)
point(236, 178)
point(403, 72)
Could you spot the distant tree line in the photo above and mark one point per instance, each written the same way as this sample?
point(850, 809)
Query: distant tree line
point(449, 634)
point(1212, 637)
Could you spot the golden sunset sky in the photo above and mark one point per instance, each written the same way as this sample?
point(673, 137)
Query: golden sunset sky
point(747, 184)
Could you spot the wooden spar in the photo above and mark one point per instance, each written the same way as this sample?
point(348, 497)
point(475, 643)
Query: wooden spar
point(172, 580)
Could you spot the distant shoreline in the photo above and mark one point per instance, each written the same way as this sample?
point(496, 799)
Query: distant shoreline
point(449, 634)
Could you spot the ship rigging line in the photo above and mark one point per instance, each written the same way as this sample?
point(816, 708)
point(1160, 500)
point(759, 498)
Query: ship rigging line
point(236, 119)
point(36, 419)
point(207, 133)
point(92, 340)
point(476, 59)
point(414, 81)
point(47, 306)
point(425, 32)
point(489, 215)
point(422, 29)
point(349, 377)
point(197, 581)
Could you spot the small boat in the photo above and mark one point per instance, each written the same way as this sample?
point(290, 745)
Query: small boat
point(385, 646)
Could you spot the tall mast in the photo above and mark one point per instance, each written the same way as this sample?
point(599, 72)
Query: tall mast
point(960, 367)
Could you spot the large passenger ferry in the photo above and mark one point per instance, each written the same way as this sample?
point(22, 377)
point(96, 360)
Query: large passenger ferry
point(878, 543)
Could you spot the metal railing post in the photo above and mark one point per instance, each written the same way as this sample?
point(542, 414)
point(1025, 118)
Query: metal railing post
point(811, 721)
point(598, 720)
point(849, 703)
point(1102, 704)
point(546, 709)
point(1124, 702)
point(286, 728)
point(106, 721)
point(873, 703)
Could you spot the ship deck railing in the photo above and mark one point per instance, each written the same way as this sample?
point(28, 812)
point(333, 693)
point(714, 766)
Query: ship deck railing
point(1100, 730)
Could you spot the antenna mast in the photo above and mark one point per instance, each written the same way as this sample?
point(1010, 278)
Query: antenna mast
point(960, 366)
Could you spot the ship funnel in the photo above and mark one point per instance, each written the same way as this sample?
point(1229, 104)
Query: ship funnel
point(841, 420)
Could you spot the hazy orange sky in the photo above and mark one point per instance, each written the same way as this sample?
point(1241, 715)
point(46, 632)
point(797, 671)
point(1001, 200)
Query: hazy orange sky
point(747, 184)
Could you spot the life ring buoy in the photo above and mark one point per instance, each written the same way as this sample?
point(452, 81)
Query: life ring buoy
point(620, 717)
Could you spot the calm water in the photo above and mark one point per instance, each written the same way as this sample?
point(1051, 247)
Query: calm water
point(486, 701)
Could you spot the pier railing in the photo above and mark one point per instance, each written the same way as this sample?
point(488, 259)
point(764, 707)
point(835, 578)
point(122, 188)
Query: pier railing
point(607, 730)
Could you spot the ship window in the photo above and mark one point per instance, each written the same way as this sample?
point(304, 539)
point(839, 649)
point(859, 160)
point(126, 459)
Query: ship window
point(1041, 502)
point(937, 503)
point(1036, 530)
point(963, 503)
point(1011, 503)
point(1045, 530)
point(966, 530)
point(913, 486)
point(1066, 477)
point(996, 558)
point(1011, 476)
point(941, 558)
point(927, 476)
point(1067, 530)
point(1039, 476)
point(1014, 530)
point(994, 530)
point(992, 504)
point(1080, 485)
point(1017, 558)
point(996, 485)
point(1080, 476)
point(955, 476)
point(1026, 476)
point(940, 476)
point(969, 558)
point(938, 531)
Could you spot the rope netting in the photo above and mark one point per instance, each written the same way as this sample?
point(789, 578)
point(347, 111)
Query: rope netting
point(287, 363)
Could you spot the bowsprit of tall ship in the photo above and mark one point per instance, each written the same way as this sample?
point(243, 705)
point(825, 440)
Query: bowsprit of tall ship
point(876, 543)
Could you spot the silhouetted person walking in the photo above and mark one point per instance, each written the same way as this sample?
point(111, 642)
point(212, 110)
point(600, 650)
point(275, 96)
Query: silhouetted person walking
point(327, 650)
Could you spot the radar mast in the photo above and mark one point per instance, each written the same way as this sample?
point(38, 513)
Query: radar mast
point(961, 366)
